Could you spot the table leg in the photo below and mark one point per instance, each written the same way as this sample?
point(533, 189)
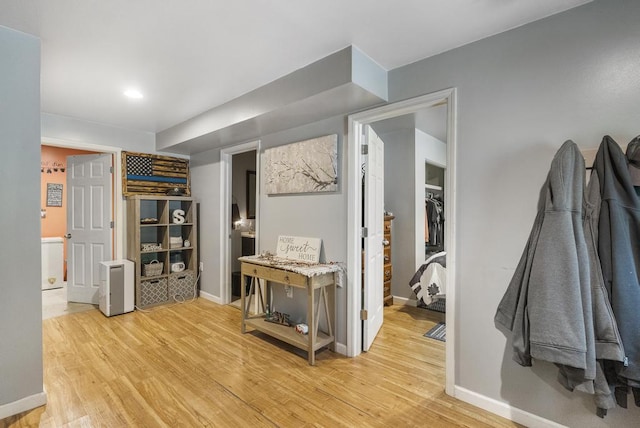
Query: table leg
point(243, 292)
point(244, 302)
point(259, 292)
point(316, 313)
point(327, 311)
point(311, 322)
point(331, 313)
point(252, 287)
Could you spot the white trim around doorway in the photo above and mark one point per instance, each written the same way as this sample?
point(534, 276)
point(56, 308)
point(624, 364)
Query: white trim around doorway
point(356, 124)
point(226, 155)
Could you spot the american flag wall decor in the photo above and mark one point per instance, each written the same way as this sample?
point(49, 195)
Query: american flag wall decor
point(145, 174)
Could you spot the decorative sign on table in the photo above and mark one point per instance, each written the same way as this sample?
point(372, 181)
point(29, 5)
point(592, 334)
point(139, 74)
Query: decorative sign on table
point(54, 195)
point(299, 248)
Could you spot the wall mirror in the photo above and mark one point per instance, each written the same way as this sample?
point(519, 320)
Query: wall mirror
point(251, 194)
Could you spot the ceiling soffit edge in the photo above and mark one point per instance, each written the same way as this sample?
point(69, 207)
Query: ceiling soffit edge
point(340, 83)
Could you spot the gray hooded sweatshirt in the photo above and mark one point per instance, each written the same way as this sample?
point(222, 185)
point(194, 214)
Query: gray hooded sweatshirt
point(619, 246)
point(555, 306)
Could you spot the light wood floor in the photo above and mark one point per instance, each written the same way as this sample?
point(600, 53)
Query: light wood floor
point(188, 365)
point(54, 303)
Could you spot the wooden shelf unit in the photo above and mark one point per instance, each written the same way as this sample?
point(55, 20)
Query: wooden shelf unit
point(388, 266)
point(168, 286)
point(288, 334)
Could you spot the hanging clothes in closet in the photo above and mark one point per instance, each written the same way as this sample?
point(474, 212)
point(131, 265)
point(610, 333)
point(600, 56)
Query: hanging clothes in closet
point(434, 221)
point(556, 307)
point(619, 247)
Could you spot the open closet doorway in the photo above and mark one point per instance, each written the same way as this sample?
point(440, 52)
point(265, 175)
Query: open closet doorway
point(240, 220)
point(419, 158)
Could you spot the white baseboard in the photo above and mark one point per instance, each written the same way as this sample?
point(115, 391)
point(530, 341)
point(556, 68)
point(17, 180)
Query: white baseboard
point(341, 348)
point(404, 301)
point(503, 409)
point(22, 405)
point(210, 297)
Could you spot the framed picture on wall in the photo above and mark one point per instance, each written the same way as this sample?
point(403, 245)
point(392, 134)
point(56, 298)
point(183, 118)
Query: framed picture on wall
point(303, 167)
point(54, 195)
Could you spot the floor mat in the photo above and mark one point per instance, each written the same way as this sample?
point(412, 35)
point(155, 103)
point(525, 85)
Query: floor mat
point(438, 332)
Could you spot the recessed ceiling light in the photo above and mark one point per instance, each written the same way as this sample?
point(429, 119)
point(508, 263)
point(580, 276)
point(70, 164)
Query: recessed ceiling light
point(133, 93)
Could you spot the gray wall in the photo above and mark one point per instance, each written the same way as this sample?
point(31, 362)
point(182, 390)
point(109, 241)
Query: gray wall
point(399, 198)
point(21, 301)
point(205, 187)
point(321, 215)
point(315, 215)
point(521, 94)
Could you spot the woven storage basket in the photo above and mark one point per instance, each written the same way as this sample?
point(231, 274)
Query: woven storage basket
point(154, 268)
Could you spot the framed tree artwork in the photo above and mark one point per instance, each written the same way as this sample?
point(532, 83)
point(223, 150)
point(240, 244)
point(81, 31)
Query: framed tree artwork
point(303, 167)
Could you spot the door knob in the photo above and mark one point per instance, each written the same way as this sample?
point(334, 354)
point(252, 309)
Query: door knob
point(68, 236)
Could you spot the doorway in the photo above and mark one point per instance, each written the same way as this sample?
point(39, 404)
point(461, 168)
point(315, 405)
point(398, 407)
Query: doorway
point(243, 215)
point(53, 221)
point(54, 214)
point(239, 181)
point(358, 129)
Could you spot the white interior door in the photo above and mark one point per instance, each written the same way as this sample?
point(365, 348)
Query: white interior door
point(89, 183)
point(373, 299)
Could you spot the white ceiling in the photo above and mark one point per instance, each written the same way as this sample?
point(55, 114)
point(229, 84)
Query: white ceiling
point(189, 56)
